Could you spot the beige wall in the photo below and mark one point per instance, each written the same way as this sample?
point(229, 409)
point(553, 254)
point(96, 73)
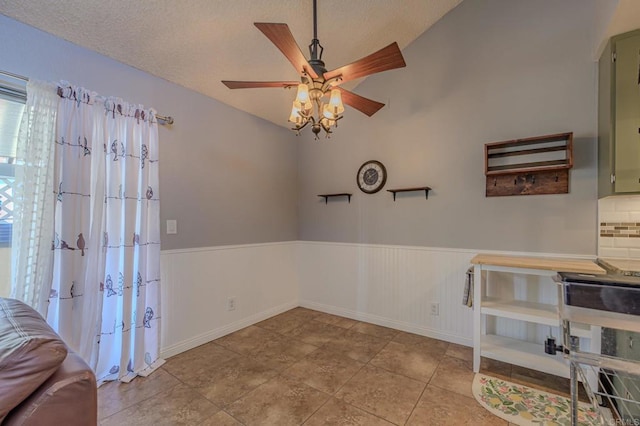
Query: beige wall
point(488, 71)
point(226, 177)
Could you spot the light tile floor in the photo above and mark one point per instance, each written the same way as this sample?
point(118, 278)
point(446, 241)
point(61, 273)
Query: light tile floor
point(312, 368)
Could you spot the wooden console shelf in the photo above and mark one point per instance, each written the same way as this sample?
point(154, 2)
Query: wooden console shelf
point(341, 194)
point(580, 266)
point(426, 190)
point(538, 165)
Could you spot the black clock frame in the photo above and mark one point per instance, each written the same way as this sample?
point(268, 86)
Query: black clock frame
point(383, 178)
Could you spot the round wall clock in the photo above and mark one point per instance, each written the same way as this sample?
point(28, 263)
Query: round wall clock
point(371, 177)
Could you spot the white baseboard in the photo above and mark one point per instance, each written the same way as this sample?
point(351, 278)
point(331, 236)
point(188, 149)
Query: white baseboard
point(207, 337)
point(386, 322)
point(261, 316)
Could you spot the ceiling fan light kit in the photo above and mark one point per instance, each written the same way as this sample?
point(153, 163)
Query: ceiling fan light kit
point(319, 99)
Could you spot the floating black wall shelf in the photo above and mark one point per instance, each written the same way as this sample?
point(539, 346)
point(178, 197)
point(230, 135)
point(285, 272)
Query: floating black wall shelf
point(426, 190)
point(341, 194)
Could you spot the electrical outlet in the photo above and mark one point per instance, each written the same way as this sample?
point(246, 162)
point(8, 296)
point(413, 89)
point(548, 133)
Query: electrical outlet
point(231, 304)
point(435, 309)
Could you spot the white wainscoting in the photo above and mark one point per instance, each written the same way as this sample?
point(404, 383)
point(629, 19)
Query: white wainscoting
point(393, 286)
point(196, 284)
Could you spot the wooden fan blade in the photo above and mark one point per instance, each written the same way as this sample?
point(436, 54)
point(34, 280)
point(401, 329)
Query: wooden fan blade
point(362, 104)
point(281, 36)
point(257, 84)
point(387, 58)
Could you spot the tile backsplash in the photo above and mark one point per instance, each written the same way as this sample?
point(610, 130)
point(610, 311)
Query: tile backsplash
point(619, 227)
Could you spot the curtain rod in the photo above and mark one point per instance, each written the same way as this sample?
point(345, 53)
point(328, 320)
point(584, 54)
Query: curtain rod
point(166, 119)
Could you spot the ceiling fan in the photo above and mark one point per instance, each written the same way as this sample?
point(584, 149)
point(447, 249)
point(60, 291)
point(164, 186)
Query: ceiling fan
point(319, 98)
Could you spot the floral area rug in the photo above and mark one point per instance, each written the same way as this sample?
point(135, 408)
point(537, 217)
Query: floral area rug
point(525, 406)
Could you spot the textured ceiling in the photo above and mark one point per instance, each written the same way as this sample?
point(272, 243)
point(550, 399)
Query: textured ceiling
point(626, 17)
point(197, 43)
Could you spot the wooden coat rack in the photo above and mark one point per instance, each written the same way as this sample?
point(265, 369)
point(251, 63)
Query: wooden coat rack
point(532, 166)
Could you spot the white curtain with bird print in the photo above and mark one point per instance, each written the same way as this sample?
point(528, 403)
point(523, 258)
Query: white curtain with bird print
point(105, 295)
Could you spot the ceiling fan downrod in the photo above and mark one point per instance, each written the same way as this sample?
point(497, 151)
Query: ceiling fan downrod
point(315, 48)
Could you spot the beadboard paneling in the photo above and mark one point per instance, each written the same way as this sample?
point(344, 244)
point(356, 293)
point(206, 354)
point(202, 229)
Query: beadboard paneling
point(197, 283)
point(392, 286)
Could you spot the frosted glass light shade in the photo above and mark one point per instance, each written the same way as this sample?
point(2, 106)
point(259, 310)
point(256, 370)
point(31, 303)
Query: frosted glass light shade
point(328, 118)
point(295, 116)
point(336, 102)
point(303, 94)
point(327, 112)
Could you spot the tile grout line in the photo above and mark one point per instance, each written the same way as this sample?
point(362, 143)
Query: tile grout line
point(426, 386)
point(332, 396)
point(222, 407)
point(417, 401)
point(303, 318)
point(404, 375)
point(144, 399)
point(388, 341)
point(231, 415)
point(359, 370)
point(371, 365)
point(280, 373)
point(352, 376)
point(195, 390)
point(318, 409)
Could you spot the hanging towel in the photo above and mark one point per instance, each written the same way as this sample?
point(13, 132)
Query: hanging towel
point(467, 297)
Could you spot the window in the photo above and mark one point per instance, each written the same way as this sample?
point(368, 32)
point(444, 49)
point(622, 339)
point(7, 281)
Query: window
point(12, 99)
point(6, 201)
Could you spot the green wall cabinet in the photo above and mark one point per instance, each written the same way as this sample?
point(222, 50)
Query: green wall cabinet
point(619, 116)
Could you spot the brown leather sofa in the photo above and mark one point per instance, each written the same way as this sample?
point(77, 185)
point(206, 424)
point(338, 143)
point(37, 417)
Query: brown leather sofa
point(42, 382)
